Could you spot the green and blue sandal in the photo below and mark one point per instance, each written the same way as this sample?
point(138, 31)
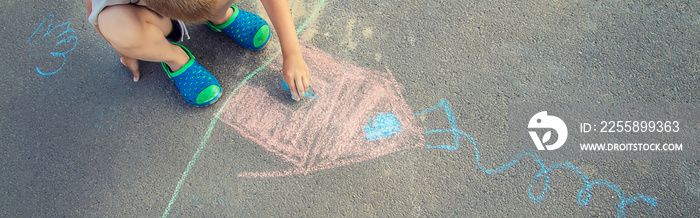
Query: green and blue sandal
point(196, 85)
point(247, 29)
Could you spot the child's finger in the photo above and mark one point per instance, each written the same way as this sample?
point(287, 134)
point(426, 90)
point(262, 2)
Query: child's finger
point(133, 66)
point(295, 93)
point(291, 88)
point(307, 84)
point(137, 76)
point(300, 88)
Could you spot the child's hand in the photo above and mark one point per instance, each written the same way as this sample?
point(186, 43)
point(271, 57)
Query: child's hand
point(296, 74)
point(132, 64)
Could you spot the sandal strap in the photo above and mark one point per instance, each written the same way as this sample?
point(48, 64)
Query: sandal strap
point(192, 79)
point(242, 28)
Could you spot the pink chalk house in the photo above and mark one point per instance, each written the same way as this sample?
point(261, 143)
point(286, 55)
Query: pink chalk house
point(359, 115)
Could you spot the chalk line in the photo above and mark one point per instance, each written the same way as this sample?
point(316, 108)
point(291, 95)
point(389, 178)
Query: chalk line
point(584, 194)
point(212, 124)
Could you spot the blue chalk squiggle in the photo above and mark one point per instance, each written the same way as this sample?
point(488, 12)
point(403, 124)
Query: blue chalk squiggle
point(584, 194)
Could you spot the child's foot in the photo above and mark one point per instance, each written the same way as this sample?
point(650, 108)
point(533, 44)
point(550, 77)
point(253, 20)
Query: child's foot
point(247, 29)
point(133, 65)
point(196, 85)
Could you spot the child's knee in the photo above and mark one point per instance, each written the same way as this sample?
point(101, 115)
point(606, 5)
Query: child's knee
point(121, 26)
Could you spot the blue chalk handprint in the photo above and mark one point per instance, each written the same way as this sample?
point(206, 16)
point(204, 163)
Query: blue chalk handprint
point(49, 44)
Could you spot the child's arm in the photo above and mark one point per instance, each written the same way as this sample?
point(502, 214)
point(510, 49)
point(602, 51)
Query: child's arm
point(294, 69)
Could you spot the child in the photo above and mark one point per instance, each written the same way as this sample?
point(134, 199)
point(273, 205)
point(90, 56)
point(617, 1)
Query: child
point(149, 29)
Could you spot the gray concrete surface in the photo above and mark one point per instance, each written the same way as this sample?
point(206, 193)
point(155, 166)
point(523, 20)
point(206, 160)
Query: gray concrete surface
point(86, 141)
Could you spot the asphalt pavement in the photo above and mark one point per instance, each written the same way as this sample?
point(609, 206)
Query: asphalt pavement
point(79, 138)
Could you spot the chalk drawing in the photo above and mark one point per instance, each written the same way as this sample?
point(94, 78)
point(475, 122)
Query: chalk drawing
point(584, 194)
point(360, 115)
point(213, 120)
point(50, 43)
point(453, 126)
point(382, 126)
point(308, 94)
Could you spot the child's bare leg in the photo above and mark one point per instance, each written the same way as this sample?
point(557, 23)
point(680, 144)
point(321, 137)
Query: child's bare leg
point(138, 33)
point(223, 13)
